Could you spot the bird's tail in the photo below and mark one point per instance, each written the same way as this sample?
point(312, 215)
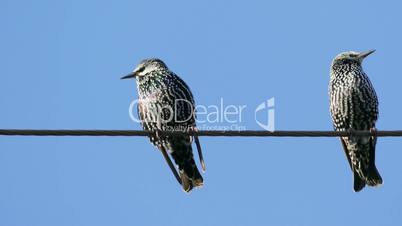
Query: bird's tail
point(362, 150)
point(188, 182)
point(182, 154)
point(373, 178)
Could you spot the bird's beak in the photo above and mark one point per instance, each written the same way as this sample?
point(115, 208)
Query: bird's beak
point(365, 54)
point(131, 75)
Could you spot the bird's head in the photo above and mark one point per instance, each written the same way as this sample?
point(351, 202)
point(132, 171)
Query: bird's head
point(145, 67)
point(351, 57)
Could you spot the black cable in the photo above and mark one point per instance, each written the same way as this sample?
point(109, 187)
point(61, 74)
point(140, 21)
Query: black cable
point(211, 133)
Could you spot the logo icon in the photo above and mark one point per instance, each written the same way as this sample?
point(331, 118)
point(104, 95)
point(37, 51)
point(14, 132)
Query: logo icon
point(266, 107)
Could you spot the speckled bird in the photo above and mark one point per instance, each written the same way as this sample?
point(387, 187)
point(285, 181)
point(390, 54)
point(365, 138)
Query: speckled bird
point(354, 106)
point(166, 103)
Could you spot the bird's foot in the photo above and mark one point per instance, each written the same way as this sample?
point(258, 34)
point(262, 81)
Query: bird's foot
point(373, 132)
point(351, 132)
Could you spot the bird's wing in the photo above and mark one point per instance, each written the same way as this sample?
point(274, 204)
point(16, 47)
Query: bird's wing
point(358, 183)
point(170, 163)
point(198, 144)
point(345, 148)
point(188, 112)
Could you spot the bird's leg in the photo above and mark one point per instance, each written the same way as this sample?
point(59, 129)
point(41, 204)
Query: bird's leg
point(167, 158)
point(198, 144)
point(373, 132)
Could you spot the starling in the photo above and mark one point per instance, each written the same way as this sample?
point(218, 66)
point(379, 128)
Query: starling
point(166, 104)
point(354, 106)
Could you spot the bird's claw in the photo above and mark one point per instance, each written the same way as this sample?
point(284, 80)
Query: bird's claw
point(351, 132)
point(373, 132)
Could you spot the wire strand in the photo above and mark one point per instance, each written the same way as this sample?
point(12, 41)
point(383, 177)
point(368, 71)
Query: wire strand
point(210, 133)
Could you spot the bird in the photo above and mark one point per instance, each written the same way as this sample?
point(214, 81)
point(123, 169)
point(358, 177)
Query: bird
point(166, 103)
point(354, 106)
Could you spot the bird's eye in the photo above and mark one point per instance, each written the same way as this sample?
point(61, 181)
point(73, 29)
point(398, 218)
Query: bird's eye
point(141, 69)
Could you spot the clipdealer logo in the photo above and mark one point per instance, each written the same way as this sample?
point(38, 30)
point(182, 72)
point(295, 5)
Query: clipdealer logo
point(219, 116)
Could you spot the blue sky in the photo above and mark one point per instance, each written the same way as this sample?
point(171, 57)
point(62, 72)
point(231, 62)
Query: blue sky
point(61, 62)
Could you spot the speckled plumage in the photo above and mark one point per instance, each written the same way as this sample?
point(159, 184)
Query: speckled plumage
point(166, 104)
point(354, 106)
